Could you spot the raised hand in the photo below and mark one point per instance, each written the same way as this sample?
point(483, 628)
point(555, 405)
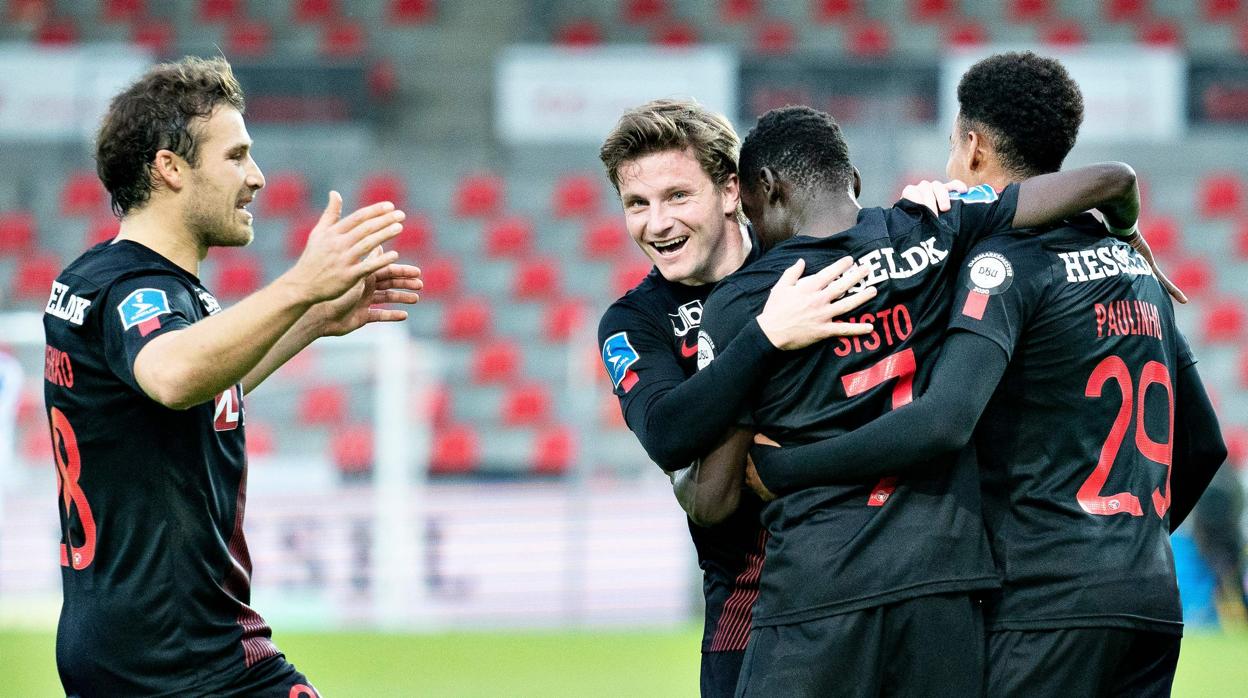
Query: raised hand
point(339, 252)
point(392, 284)
point(801, 311)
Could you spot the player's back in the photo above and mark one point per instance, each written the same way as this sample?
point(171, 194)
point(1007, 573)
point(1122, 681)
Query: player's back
point(1075, 445)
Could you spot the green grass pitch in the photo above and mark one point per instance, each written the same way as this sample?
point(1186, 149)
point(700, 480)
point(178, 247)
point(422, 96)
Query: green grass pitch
point(540, 664)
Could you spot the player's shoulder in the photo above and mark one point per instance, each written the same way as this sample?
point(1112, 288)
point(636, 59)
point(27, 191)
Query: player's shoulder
point(639, 304)
point(112, 262)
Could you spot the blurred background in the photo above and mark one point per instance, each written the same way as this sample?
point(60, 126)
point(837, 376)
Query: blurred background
point(454, 506)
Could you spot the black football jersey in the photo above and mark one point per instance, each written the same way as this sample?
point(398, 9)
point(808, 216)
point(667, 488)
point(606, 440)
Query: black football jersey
point(155, 570)
point(1075, 445)
point(649, 343)
point(844, 548)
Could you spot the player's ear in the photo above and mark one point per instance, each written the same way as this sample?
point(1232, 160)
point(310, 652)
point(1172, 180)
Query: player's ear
point(731, 189)
point(857, 184)
point(770, 184)
point(168, 170)
point(977, 151)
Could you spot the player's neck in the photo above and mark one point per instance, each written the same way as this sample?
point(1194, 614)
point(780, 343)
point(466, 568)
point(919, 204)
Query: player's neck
point(821, 218)
point(165, 234)
point(996, 177)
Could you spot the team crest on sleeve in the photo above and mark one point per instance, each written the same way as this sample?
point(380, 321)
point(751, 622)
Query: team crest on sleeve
point(981, 194)
point(619, 356)
point(988, 274)
point(706, 349)
point(142, 307)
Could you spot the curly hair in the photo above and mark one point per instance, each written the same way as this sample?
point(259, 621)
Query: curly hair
point(668, 124)
point(802, 145)
point(1028, 106)
point(159, 112)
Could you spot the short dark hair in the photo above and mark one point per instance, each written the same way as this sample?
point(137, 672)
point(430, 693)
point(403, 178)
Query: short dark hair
point(156, 113)
point(1028, 105)
point(671, 124)
point(802, 145)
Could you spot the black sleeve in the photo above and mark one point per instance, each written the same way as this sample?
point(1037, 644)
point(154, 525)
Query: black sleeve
point(136, 311)
point(941, 420)
point(678, 420)
point(1199, 449)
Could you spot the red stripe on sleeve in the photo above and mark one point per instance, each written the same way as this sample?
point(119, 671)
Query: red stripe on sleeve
point(630, 379)
point(976, 303)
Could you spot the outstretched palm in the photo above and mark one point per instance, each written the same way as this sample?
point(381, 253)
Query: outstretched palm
point(396, 283)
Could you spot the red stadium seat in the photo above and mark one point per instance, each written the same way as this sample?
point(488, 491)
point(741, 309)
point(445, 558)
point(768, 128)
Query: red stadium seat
point(1221, 195)
point(17, 232)
point(479, 195)
point(509, 237)
point(284, 194)
point(562, 320)
point(220, 10)
point(526, 404)
point(834, 10)
point(382, 80)
point(536, 279)
point(383, 186)
point(1125, 10)
point(604, 238)
point(123, 10)
point(1160, 32)
point(456, 449)
point(155, 35)
point(435, 405)
point(259, 438)
point(869, 39)
point(297, 232)
point(675, 34)
point(83, 195)
point(352, 449)
point(774, 37)
point(554, 451)
point(1224, 321)
point(579, 33)
point(739, 11)
point(417, 234)
point(248, 38)
point(467, 319)
point(966, 33)
point(1222, 10)
point(238, 275)
point(1029, 11)
point(323, 405)
point(412, 11)
point(57, 32)
point(496, 362)
point(628, 275)
point(642, 11)
point(576, 195)
point(1162, 234)
point(1193, 275)
point(1063, 34)
point(102, 229)
point(314, 11)
point(32, 281)
point(933, 10)
point(28, 11)
point(343, 39)
point(441, 277)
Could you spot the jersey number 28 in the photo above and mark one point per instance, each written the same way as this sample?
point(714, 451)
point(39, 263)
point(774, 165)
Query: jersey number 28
point(68, 470)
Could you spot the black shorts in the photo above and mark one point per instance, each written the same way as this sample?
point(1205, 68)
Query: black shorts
point(1076, 662)
point(928, 646)
point(719, 673)
point(273, 678)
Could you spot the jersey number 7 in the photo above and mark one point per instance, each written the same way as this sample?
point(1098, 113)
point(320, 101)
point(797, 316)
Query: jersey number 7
point(902, 367)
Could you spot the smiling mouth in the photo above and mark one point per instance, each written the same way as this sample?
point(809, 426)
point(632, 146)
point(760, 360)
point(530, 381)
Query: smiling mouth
point(668, 248)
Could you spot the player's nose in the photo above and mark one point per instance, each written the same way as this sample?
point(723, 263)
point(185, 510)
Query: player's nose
point(255, 178)
point(659, 220)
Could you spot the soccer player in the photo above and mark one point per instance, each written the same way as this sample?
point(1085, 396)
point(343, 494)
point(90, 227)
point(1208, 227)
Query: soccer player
point(1092, 412)
point(146, 374)
point(870, 587)
point(674, 166)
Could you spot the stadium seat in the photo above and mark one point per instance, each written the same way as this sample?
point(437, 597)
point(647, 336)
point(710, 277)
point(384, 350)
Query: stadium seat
point(417, 234)
point(675, 34)
point(383, 186)
point(1222, 10)
point(537, 279)
point(57, 32)
point(101, 230)
point(441, 277)
point(554, 451)
point(467, 319)
point(259, 438)
point(456, 449)
point(834, 10)
point(238, 274)
point(1065, 33)
point(297, 232)
point(526, 404)
point(479, 195)
point(83, 195)
point(739, 11)
point(382, 80)
point(32, 280)
point(155, 35)
point(284, 194)
point(1160, 32)
point(220, 10)
point(966, 33)
point(1162, 234)
point(436, 405)
point(604, 238)
point(1193, 275)
point(931, 11)
point(495, 362)
point(579, 33)
point(17, 232)
point(351, 448)
point(250, 38)
point(509, 237)
point(643, 11)
point(1029, 11)
point(1221, 195)
point(774, 37)
point(123, 10)
point(412, 11)
point(870, 39)
point(576, 195)
point(1223, 321)
point(1125, 10)
point(625, 276)
point(562, 320)
point(28, 11)
point(314, 11)
point(322, 405)
point(343, 39)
